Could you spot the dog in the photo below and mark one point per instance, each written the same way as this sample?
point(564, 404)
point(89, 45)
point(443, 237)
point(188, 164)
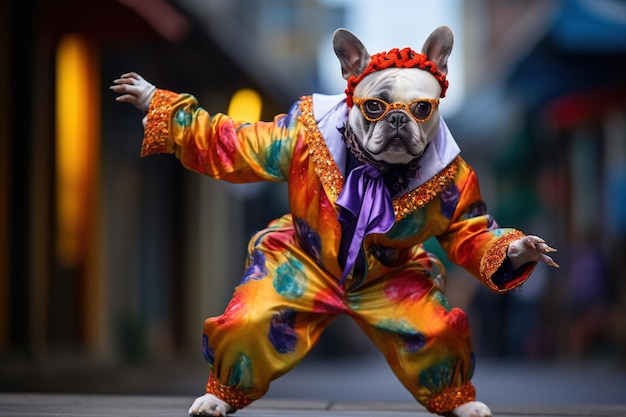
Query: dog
point(371, 173)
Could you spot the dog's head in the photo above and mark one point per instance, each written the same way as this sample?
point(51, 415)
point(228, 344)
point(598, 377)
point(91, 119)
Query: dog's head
point(394, 96)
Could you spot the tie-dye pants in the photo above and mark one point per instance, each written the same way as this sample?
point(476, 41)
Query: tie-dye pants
point(285, 301)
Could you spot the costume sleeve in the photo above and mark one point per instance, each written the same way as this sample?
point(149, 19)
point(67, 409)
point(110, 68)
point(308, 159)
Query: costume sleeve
point(216, 145)
point(474, 240)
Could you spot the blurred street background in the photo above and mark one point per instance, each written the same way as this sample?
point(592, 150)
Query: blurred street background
point(109, 263)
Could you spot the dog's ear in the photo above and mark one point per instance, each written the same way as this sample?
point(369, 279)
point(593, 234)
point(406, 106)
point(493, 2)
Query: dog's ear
point(351, 53)
point(438, 47)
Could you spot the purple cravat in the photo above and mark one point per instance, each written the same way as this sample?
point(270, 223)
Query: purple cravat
point(365, 208)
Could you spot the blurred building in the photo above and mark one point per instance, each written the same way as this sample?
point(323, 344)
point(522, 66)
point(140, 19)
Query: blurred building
point(101, 253)
point(544, 121)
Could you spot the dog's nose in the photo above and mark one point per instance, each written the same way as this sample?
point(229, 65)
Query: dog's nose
point(397, 119)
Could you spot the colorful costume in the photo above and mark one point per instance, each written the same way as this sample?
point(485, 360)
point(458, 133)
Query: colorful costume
point(292, 287)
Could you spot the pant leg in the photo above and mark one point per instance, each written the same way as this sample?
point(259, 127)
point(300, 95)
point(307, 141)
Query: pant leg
point(273, 320)
point(426, 343)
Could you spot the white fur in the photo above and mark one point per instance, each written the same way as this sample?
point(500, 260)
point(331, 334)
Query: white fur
point(530, 249)
point(210, 405)
point(401, 85)
point(134, 89)
point(472, 409)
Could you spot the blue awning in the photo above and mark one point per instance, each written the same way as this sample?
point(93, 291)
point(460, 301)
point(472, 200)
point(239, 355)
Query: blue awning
point(585, 48)
point(594, 26)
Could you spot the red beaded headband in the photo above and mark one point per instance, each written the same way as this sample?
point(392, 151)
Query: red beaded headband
point(397, 58)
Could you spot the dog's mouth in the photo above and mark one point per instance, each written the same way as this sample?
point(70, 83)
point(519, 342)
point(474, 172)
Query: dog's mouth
point(396, 144)
point(399, 144)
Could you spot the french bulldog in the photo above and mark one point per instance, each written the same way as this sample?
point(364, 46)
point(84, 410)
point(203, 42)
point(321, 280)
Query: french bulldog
point(400, 134)
point(393, 134)
point(391, 121)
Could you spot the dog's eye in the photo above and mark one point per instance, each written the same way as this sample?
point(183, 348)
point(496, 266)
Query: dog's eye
point(373, 108)
point(422, 109)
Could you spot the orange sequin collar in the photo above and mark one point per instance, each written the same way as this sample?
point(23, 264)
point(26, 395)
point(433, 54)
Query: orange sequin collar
point(397, 58)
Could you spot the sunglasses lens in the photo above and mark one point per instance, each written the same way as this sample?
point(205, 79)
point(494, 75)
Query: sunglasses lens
point(373, 109)
point(421, 110)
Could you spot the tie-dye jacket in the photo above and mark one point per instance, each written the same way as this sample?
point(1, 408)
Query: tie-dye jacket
point(304, 148)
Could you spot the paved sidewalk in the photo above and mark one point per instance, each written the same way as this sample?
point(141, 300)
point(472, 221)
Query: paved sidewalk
point(86, 405)
point(362, 387)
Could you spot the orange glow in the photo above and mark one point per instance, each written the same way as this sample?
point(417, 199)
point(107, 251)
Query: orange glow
point(78, 215)
point(75, 145)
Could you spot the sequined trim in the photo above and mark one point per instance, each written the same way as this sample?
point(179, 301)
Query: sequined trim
point(226, 393)
point(419, 197)
point(450, 398)
point(324, 164)
point(332, 180)
point(495, 255)
point(156, 130)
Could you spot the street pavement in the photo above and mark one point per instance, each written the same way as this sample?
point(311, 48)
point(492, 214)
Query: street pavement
point(334, 388)
point(91, 405)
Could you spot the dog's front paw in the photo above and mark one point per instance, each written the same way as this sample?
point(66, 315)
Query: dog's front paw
point(471, 409)
point(210, 405)
point(530, 249)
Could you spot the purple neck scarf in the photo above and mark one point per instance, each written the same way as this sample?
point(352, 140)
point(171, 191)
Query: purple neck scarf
point(365, 208)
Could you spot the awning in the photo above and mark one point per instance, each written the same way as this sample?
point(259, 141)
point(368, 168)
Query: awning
point(584, 49)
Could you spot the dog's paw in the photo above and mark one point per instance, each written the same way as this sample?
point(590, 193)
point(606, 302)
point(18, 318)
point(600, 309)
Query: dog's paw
point(210, 405)
point(471, 409)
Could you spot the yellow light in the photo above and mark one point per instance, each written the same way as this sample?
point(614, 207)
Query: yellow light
point(77, 178)
point(245, 106)
point(74, 144)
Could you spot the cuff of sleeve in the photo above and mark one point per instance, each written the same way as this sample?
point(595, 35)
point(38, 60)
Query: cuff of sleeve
point(494, 258)
point(157, 124)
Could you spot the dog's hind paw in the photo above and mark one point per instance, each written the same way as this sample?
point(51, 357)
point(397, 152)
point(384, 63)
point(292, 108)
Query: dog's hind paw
point(471, 409)
point(210, 405)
